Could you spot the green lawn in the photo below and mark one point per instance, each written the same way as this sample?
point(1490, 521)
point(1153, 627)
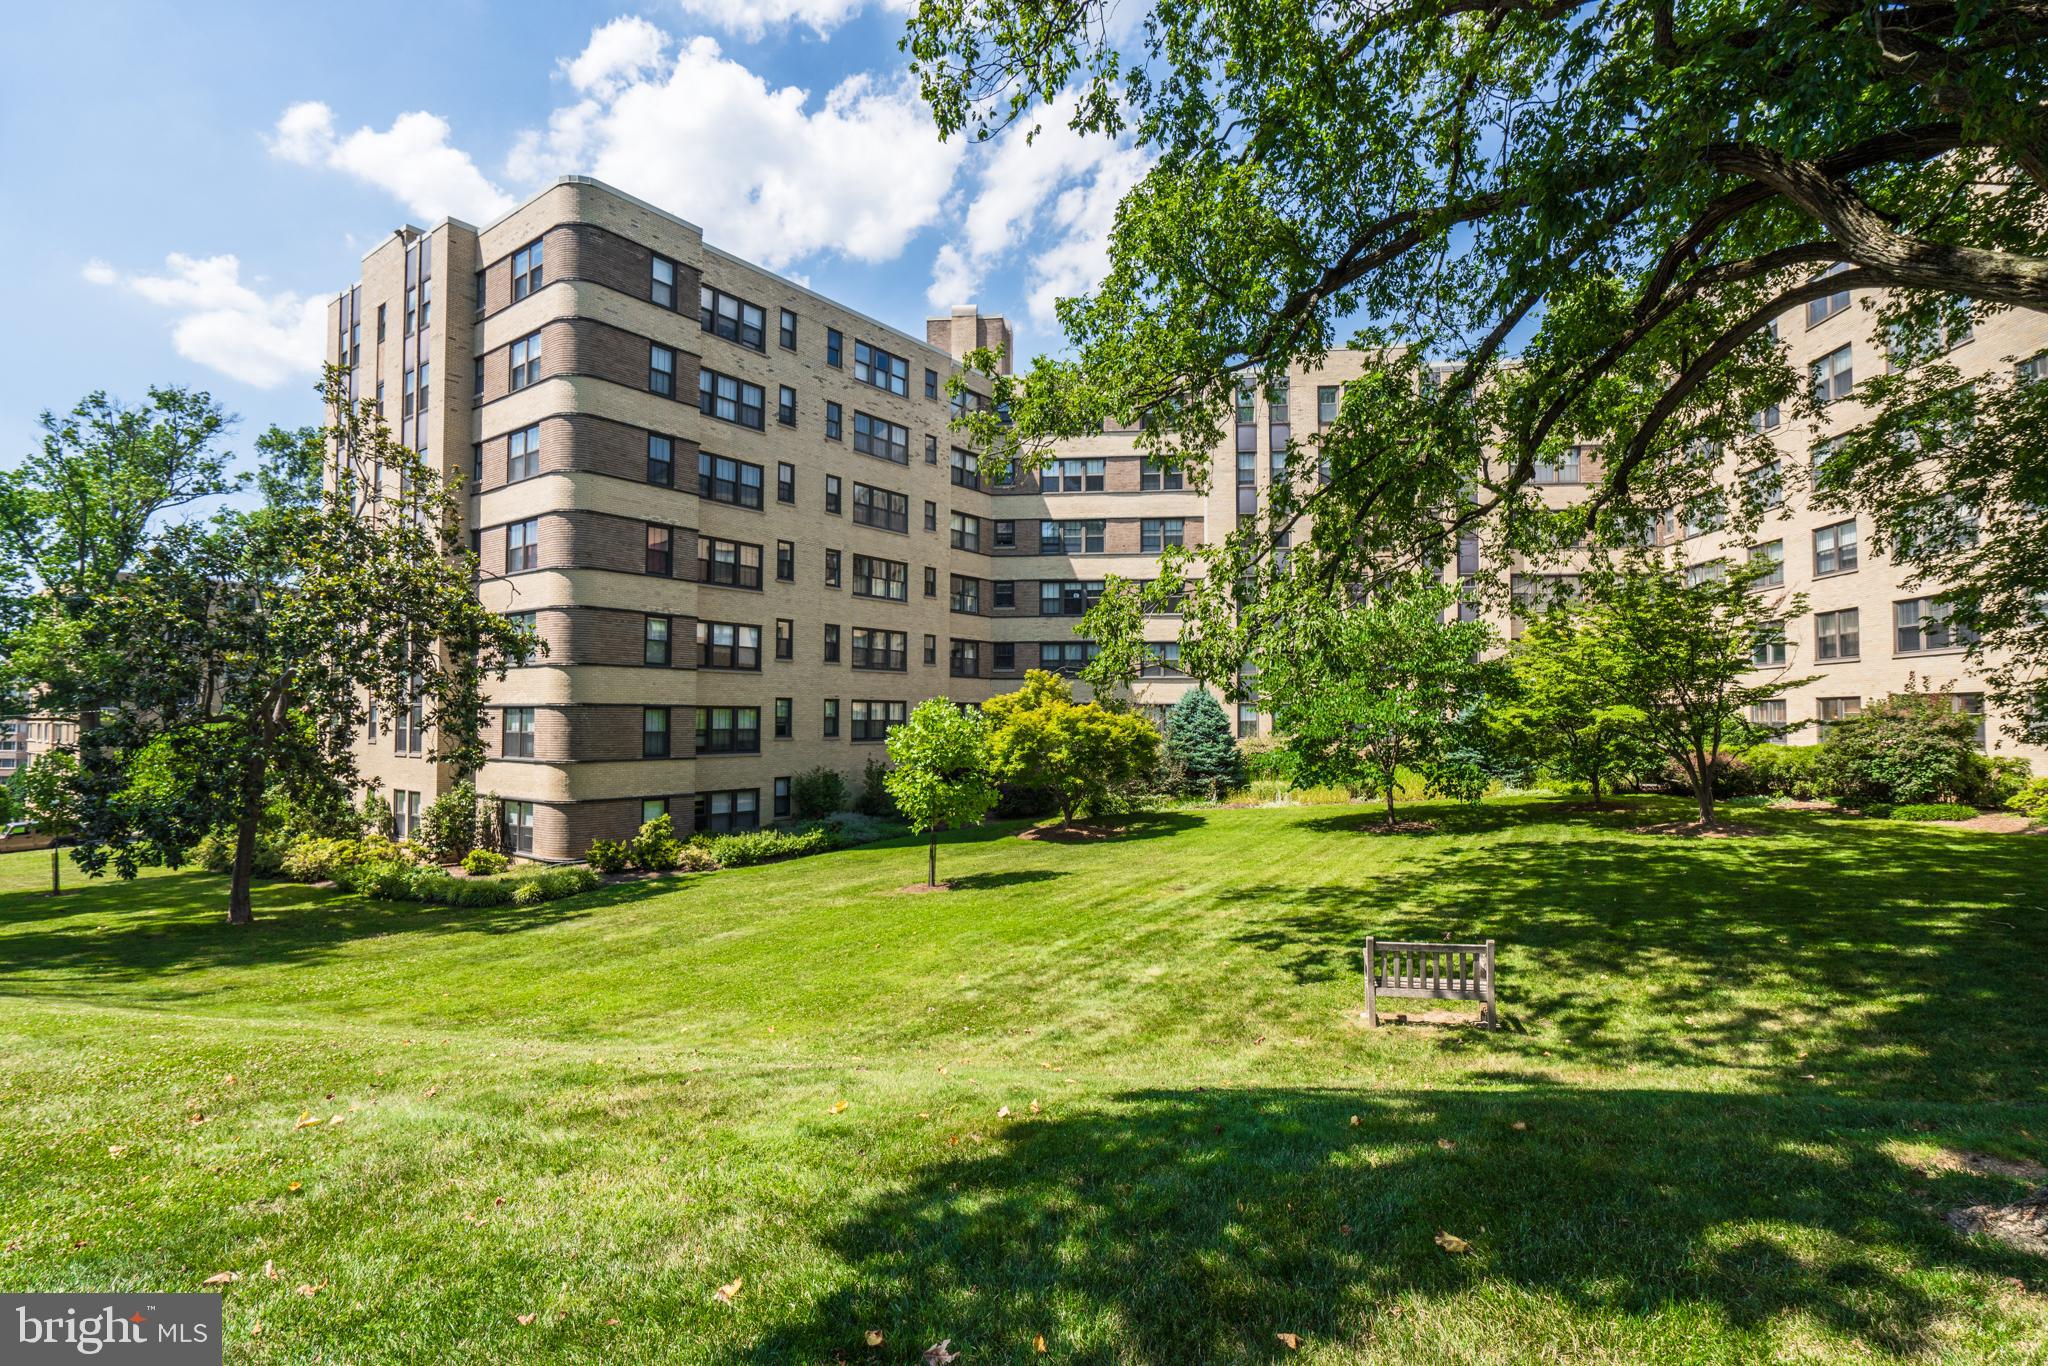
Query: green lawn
point(1718, 1125)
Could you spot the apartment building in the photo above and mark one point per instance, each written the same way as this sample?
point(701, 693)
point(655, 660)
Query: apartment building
point(24, 739)
point(733, 511)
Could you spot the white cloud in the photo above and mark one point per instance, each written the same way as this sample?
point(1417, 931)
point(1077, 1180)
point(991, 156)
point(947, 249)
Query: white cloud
point(768, 172)
point(257, 338)
point(412, 161)
point(1051, 200)
point(751, 19)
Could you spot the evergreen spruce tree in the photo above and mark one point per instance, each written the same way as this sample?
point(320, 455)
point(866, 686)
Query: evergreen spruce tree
point(1198, 739)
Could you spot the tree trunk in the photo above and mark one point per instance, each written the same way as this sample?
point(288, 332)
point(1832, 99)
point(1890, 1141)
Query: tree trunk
point(240, 911)
point(931, 876)
point(56, 869)
point(1596, 786)
point(1390, 802)
point(1703, 787)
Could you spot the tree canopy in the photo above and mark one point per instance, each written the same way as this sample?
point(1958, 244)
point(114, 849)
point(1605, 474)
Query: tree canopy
point(1082, 753)
point(1590, 214)
point(939, 772)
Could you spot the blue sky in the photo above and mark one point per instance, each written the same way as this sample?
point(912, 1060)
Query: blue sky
point(185, 186)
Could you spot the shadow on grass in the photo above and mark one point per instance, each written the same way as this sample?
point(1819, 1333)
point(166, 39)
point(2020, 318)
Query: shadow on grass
point(1896, 962)
point(1185, 1226)
point(987, 882)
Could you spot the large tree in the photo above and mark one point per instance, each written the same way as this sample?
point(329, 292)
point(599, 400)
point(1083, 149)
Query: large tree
point(1592, 213)
point(1082, 753)
point(239, 658)
point(1564, 713)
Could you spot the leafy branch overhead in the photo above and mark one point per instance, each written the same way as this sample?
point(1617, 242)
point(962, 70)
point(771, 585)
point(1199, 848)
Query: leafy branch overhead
point(1589, 217)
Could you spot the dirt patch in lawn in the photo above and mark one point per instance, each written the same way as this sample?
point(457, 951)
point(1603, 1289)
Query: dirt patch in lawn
point(1719, 830)
point(1398, 828)
point(2022, 1224)
point(1069, 834)
point(2000, 823)
point(920, 888)
point(1440, 1019)
point(1965, 1163)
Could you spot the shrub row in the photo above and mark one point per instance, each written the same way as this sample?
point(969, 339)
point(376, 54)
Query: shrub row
point(1933, 811)
point(656, 849)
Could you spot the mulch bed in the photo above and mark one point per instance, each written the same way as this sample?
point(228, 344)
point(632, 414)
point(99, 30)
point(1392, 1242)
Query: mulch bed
point(1399, 828)
point(1069, 834)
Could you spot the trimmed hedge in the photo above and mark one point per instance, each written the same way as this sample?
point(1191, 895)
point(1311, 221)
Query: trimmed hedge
point(746, 848)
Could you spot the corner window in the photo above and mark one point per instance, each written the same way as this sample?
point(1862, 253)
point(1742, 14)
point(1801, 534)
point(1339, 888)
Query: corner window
point(527, 271)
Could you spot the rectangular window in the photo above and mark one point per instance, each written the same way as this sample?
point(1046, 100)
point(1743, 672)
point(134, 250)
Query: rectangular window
point(835, 348)
point(1923, 624)
point(1162, 659)
point(966, 531)
point(1073, 476)
point(931, 384)
point(522, 546)
point(785, 638)
point(661, 370)
point(721, 813)
point(1837, 635)
point(654, 732)
point(786, 331)
point(882, 369)
point(730, 399)
point(832, 579)
point(522, 454)
point(518, 817)
point(1832, 710)
point(1155, 535)
point(931, 450)
point(728, 730)
point(516, 736)
point(879, 438)
point(785, 406)
point(728, 645)
point(1971, 704)
point(831, 644)
point(931, 581)
point(876, 578)
point(785, 717)
point(1003, 657)
point(1563, 470)
point(1070, 538)
point(1065, 656)
point(966, 469)
point(881, 508)
point(1769, 650)
point(1834, 548)
point(527, 271)
point(1834, 376)
point(661, 543)
point(785, 561)
point(931, 650)
point(785, 482)
point(662, 282)
point(661, 460)
point(1326, 404)
point(482, 278)
point(525, 361)
point(1006, 535)
point(732, 564)
point(966, 595)
point(831, 723)
point(654, 642)
point(1005, 595)
point(1247, 721)
point(833, 494)
point(1770, 716)
point(874, 720)
point(833, 430)
point(964, 659)
point(1068, 597)
point(732, 318)
point(877, 649)
point(1827, 306)
point(725, 480)
point(1153, 477)
point(931, 515)
point(1771, 553)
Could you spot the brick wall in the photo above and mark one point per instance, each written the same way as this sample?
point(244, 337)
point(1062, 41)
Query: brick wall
point(581, 251)
point(583, 442)
point(577, 539)
point(584, 346)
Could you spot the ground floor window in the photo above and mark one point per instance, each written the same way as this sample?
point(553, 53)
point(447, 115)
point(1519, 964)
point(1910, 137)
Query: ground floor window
point(737, 809)
point(653, 809)
point(781, 798)
point(519, 827)
point(405, 813)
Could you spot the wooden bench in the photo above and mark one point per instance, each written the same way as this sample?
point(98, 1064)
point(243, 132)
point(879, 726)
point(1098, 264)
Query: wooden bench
point(1437, 972)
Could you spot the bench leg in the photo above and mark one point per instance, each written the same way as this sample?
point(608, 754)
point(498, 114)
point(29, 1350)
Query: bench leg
point(1372, 1004)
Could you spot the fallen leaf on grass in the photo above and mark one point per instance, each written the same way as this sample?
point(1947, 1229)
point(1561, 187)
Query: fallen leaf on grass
point(1289, 1341)
point(1003, 1113)
point(336, 1120)
point(1519, 1125)
point(874, 1337)
point(839, 1107)
point(222, 1278)
point(1453, 1244)
point(1355, 1121)
point(294, 1185)
point(269, 1270)
point(116, 1149)
point(1446, 1144)
point(431, 1089)
point(1038, 1343)
point(310, 1290)
point(306, 1121)
point(724, 1294)
point(1034, 1107)
point(1344, 1229)
point(940, 1353)
point(255, 1330)
point(609, 1322)
point(231, 1079)
point(524, 1319)
point(196, 1118)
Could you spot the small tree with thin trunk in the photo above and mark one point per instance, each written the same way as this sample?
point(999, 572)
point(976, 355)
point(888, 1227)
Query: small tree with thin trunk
point(1563, 716)
point(45, 793)
point(939, 772)
point(1681, 647)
